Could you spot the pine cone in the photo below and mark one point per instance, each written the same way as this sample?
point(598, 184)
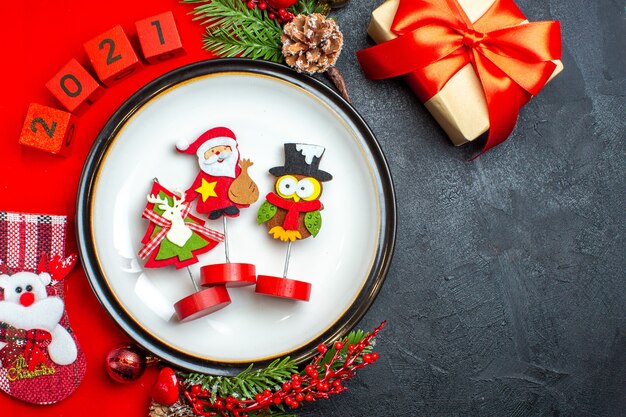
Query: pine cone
point(311, 43)
point(178, 409)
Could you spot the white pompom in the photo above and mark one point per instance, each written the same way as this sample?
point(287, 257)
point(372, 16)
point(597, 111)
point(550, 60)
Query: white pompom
point(182, 145)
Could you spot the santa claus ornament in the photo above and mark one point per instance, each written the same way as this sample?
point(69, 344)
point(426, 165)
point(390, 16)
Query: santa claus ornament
point(41, 361)
point(175, 237)
point(221, 189)
point(292, 212)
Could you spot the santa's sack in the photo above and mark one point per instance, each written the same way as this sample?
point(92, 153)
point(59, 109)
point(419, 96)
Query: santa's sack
point(244, 190)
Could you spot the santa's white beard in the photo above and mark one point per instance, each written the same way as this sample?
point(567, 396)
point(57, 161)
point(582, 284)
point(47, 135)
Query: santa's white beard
point(215, 168)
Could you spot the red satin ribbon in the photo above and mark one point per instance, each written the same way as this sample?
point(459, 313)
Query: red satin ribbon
point(436, 39)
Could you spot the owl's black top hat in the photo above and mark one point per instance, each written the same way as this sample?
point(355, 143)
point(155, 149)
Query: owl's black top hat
point(302, 159)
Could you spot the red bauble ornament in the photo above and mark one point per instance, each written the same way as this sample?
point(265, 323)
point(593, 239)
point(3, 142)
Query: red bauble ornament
point(126, 363)
point(165, 390)
point(280, 4)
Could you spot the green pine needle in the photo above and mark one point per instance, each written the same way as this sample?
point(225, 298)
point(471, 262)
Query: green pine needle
point(234, 30)
point(353, 338)
point(249, 42)
point(249, 382)
point(310, 7)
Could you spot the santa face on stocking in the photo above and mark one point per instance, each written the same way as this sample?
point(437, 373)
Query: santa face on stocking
point(218, 159)
point(27, 307)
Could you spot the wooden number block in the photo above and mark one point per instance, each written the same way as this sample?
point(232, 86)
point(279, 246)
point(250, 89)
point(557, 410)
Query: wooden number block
point(74, 87)
point(159, 38)
point(48, 129)
point(112, 56)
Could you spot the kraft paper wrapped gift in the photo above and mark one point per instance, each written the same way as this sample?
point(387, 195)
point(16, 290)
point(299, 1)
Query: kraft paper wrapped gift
point(460, 106)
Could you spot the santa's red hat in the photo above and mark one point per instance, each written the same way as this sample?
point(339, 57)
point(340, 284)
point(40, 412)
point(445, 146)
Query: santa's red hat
point(218, 136)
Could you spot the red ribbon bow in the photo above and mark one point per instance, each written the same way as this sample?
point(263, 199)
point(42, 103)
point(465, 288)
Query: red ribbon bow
point(436, 39)
point(166, 225)
point(27, 342)
point(293, 209)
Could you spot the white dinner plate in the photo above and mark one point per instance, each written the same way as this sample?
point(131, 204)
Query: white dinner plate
point(265, 105)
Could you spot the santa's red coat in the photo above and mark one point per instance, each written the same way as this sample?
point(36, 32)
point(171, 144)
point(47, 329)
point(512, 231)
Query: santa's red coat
point(221, 189)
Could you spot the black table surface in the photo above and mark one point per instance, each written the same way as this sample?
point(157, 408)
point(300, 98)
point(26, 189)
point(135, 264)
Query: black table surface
point(507, 291)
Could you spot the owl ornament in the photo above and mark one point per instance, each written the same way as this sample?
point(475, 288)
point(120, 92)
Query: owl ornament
point(293, 212)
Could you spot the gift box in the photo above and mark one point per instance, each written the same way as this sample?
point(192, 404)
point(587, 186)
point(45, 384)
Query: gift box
point(480, 32)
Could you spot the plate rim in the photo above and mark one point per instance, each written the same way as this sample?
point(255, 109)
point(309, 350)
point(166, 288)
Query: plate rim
point(373, 153)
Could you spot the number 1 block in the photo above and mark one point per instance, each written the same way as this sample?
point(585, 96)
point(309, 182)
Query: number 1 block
point(48, 129)
point(112, 56)
point(159, 38)
point(74, 87)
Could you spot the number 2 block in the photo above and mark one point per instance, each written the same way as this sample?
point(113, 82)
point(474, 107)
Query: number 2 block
point(159, 38)
point(48, 129)
point(112, 56)
point(74, 87)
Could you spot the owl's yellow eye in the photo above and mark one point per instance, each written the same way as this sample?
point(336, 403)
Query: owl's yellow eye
point(286, 186)
point(308, 189)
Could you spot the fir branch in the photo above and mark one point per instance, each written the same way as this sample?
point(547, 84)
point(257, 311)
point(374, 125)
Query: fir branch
point(353, 338)
point(248, 383)
point(231, 15)
point(245, 42)
point(234, 30)
point(310, 7)
point(319, 380)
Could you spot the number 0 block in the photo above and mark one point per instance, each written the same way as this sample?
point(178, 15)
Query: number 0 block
point(159, 38)
point(112, 56)
point(74, 87)
point(48, 129)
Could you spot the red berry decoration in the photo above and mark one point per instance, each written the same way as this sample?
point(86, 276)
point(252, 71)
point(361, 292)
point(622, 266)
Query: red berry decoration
point(165, 391)
point(322, 377)
point(281, 4)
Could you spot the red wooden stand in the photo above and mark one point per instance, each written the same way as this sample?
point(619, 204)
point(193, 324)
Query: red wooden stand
point(229, 274)
point(202, 303)
point(283, 288)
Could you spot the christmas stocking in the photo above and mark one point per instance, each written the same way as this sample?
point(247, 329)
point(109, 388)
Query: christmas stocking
point(40, 359)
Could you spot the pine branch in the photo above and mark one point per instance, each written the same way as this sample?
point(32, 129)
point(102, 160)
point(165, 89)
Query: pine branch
point(248, 383)
point(235, 30)
point(310, 7)
point(353, 338)
point(231, 15)
point(323, 377)
point(244, 42)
